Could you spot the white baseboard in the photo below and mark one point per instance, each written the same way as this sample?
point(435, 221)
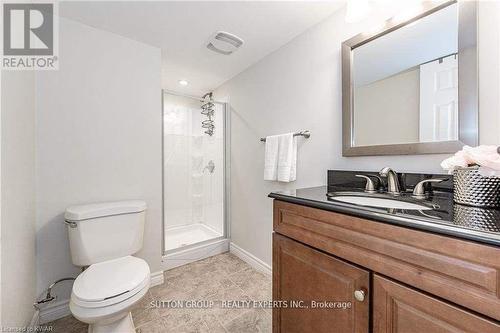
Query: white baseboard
point(193, 254)
point(60, 309)
point(156, 278)
point(250, 259)
point(54, 311)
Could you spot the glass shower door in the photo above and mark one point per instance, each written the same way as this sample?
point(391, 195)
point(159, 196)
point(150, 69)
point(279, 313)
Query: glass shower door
point(193, 173)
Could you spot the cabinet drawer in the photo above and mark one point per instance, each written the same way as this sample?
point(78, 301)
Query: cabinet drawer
point(463, 272)
point(397, 308)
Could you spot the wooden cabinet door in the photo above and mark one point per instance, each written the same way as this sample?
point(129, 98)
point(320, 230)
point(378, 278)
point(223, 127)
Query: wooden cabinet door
point(303, 274)
point(400, 309)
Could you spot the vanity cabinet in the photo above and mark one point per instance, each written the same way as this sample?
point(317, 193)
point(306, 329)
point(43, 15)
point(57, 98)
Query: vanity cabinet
point(420, 281)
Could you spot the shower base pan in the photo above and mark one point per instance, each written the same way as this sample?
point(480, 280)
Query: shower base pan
point(180, 236)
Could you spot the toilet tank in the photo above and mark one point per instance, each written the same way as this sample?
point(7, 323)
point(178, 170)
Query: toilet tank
point(104, 231)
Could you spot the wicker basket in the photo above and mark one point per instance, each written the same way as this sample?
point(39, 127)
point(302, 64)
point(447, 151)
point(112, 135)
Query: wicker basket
point(473, 189)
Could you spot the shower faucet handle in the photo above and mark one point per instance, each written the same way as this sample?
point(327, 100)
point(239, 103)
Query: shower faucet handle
point(210, 166)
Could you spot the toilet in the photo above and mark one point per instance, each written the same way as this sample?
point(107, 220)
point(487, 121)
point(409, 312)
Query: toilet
point(103, 238)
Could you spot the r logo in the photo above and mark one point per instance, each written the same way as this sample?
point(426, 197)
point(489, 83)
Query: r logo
point(28, 29)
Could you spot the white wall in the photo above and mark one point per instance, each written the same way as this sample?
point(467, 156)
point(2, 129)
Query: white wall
point(98, 139)
point(18, 198)
point(396, 99)
point(299, 87)
point(489, 72)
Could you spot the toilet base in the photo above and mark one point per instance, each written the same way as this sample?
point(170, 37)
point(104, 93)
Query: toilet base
point(123, 325)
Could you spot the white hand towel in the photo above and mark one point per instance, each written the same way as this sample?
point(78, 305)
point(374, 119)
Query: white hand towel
point(271, 158)
point(293, 169)
point(287, 158)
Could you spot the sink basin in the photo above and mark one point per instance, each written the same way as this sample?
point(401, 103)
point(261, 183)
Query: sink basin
point(380, 202)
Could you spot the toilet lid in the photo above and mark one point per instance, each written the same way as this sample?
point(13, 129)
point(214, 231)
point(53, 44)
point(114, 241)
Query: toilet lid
point(111, 279)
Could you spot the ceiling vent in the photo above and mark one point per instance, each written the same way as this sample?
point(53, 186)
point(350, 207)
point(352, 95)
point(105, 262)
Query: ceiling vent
point(224, 43)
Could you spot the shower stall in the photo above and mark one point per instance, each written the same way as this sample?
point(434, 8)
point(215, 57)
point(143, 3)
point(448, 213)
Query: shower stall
point(195, 145)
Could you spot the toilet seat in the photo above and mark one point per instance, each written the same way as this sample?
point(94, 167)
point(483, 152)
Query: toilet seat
point(110, 282)
point(100, 318)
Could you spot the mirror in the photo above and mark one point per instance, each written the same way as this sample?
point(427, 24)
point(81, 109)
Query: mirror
point(411, 88)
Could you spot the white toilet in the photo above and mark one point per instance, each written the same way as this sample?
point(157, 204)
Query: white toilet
point(104, 236)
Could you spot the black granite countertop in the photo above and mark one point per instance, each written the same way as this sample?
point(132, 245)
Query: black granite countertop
point(447, 218)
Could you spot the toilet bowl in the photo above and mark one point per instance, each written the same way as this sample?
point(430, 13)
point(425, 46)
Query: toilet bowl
point(104, 293)
point(103, 238)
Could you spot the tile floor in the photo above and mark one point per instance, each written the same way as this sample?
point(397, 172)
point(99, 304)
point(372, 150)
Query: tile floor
point(218, 278)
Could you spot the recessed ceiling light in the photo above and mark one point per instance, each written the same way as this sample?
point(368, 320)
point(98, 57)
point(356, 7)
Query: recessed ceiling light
point(183, 82)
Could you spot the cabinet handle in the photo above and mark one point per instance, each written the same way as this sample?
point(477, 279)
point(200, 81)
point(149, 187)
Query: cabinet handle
point(359, 295)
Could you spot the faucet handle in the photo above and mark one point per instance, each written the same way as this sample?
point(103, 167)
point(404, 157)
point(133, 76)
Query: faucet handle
point(370, 186)
point(418, 191)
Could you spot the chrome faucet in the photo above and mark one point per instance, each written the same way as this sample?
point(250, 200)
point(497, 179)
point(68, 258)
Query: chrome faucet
point(392, 180)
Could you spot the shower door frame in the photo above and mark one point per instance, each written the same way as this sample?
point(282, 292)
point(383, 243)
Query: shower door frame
point(226, 172)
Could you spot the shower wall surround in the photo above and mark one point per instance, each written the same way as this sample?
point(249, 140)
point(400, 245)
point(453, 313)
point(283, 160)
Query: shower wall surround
point(193, 188)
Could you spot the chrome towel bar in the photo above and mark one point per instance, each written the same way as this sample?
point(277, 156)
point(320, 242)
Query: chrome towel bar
point(306, 134)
